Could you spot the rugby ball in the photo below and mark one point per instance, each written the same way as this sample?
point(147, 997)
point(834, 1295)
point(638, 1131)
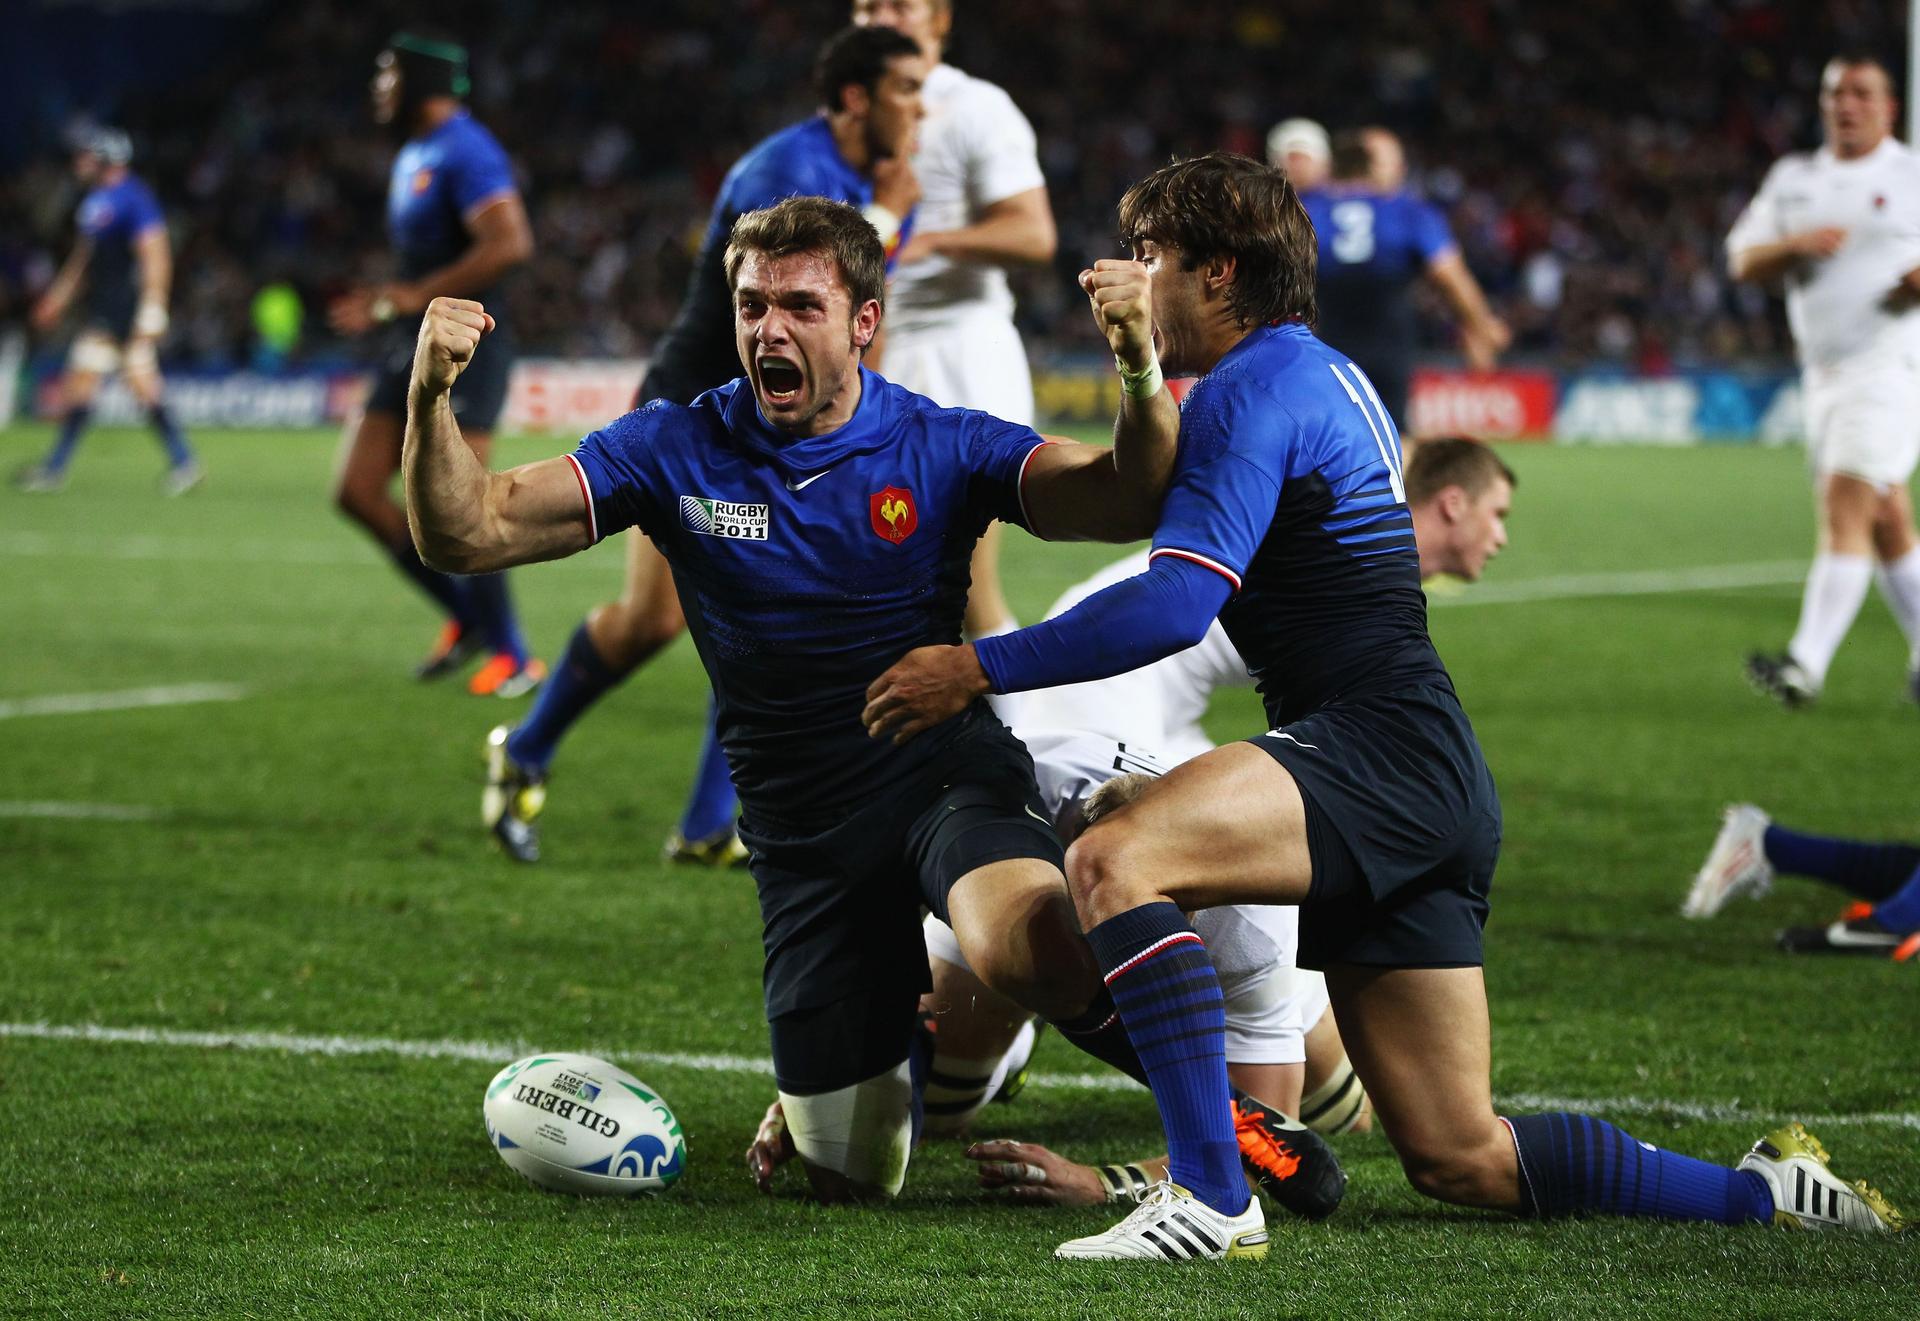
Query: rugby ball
point(576, 1124)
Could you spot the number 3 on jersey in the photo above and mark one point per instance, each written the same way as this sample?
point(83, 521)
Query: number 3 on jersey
point(1385, 437)
point(1352, 232)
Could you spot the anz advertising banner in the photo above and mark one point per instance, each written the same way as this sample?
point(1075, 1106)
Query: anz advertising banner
point(561, 397)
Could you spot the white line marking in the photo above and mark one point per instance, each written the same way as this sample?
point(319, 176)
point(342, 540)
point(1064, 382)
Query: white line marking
point(501, 1052)
point(1651, 582)
point(69, 704)
point(78, 811)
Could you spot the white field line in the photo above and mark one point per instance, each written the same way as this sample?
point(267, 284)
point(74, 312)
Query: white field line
point(127, 699)
point(1651, 582)
point(78, 811)
point(500, 1053)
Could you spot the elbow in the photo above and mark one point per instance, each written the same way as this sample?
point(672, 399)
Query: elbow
point(520, 248)
point(1046, 244)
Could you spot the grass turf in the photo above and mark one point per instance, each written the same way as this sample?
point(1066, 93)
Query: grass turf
point(317, 868)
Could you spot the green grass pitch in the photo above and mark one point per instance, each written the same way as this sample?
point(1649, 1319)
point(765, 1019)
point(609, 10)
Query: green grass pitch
point(312, 865)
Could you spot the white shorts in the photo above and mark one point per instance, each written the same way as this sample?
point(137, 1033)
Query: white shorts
point(1863, 418)
point(98, 354)
point(1271, 1005)
point(973, 360)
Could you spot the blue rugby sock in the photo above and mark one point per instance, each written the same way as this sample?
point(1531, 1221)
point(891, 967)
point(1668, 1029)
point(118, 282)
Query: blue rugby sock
point(1102, 1035)
point(577, 683)
point(1871, 871)
point(491, 610)
point(710, 807)
point(72, 427)
point(441, 587)
point(1901, 910)
point(170, 434)
point(1168, 994)
point(1571, 1164)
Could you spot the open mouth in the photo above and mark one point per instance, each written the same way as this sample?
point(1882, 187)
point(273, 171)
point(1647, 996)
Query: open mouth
point(780, 380)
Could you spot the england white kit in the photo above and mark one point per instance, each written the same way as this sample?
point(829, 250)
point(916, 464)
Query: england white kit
point(1860, 357)
point(1083, 735)
point(950, 333)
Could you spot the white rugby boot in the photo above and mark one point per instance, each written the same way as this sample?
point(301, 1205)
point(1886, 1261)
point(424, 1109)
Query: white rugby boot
point(1807, 1194)
point(1171, 1224)
point(1737, 863)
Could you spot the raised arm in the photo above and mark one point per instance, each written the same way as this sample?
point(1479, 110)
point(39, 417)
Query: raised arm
point(464, 518)
point(1086, 493)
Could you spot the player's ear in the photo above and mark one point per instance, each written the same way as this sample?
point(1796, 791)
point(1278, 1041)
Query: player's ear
point(1217, 273)
point(855, 99)
point(1454, 502)
point(866, 324)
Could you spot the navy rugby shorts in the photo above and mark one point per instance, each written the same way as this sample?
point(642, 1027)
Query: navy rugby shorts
point(1403, 826)
point(479, 394)
point(846, 962)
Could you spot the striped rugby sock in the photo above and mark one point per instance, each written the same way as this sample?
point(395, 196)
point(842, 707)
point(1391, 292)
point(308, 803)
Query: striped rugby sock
point(1168, 995)
point(1570, 1164)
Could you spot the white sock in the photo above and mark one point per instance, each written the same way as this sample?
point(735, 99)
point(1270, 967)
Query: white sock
point(1836, 589)
point(1900, 584)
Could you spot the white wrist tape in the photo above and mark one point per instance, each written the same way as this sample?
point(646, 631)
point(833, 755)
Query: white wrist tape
point(1140, 384)
point(150, 319)
point(883, 219)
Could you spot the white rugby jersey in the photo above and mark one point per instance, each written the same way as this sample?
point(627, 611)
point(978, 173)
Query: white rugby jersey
point(1835, 305)
point(1159, 704)
point(976, 148)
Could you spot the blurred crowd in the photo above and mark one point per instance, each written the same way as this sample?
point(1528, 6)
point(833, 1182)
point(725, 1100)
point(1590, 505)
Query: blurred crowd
point(1591, 157)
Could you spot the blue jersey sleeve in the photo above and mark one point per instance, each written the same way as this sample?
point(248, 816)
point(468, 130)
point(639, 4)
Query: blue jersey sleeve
point(619, 472)
point(1235, 442)
point(1431, 233)
point(998, 454)
point(481, 171)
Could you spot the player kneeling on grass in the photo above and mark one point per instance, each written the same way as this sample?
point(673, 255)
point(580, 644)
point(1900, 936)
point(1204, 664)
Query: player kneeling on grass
point(819, 521)
point(1367, 803)
point(1884, 879)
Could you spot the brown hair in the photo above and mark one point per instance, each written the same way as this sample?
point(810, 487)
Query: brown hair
point(1227, 205)
point(1453, 461)
point(814, 224)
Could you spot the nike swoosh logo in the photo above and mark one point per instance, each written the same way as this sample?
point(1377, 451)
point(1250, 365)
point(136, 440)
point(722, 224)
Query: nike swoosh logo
point(803, 485)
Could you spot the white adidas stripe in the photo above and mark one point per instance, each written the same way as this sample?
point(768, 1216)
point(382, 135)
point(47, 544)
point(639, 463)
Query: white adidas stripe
point(500, 1052)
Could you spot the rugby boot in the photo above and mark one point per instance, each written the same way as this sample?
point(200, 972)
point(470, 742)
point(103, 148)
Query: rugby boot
point(1288, 1161)
point(1807, 1194)
point(511, 803)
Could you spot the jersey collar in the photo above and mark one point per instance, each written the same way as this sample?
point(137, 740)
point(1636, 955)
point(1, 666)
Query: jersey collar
point(870, 428)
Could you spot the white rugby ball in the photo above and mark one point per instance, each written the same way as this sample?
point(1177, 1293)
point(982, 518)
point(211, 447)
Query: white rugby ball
point(576, 1124)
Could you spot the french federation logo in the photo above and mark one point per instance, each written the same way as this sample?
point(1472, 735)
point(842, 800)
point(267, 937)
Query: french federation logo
point(723, 518)
point(893, 514)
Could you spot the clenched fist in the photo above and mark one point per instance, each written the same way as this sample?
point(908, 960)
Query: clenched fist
point(449, 334)
point(1121, 293)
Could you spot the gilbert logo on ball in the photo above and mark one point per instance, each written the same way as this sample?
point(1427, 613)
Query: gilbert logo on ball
point(576, 1124)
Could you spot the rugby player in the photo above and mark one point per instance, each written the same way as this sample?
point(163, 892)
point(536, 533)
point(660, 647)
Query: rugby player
point(1884, 879)
point(822, 519)
point(1374, 244)
point(1837, 227)
point(855, 150)
point(1368, 803)
point(1300, 149)
point(983, 207)
point(123, 255)
point(458, 226)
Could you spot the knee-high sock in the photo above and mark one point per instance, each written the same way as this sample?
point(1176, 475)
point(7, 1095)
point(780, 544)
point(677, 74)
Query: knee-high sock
point(443, 588)
point(491, 609)
point(1900, 584)
point(1836, 588)
point(1571, 1164)
point(1900, 911)
point(72, 427)
point(1871, 871)
point(1102, 1035)
point(710, 806)
point(1168, 994)
point(170, 434)
point(576, 684)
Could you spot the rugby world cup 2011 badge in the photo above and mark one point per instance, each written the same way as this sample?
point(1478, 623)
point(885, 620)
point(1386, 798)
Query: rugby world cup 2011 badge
point(723, 518)
point(893, 514)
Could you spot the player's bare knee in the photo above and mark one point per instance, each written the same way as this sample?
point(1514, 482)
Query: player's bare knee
point(1098, 876)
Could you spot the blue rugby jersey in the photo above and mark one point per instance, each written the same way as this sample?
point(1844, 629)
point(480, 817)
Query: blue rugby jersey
point(113, 217)
point(697, 352)
point(437, 181)
point(1373, 246)
point(807, 566)
point(1288, 483)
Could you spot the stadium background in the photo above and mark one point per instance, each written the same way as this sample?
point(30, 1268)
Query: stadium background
point(1590, 158)
point(259, 960)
